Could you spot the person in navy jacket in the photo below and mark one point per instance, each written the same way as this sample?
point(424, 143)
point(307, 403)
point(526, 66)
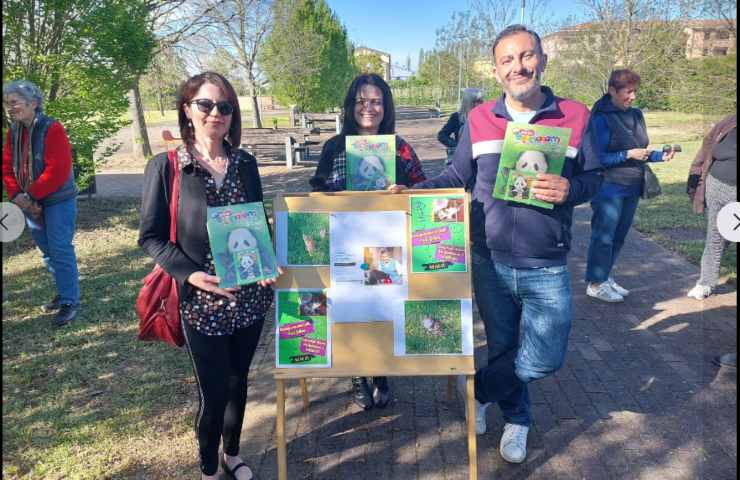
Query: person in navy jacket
point(620, 140)
point(519, 251)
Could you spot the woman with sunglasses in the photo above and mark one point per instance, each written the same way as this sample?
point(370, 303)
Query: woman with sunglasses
point(368, 110)
point(221, 325)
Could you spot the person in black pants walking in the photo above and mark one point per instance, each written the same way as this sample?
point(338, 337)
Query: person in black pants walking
point(221, 326)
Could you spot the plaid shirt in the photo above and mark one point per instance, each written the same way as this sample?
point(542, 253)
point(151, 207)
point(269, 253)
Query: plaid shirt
point(405, 157)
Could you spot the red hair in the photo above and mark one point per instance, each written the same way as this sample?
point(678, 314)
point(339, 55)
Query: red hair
point(622, 78)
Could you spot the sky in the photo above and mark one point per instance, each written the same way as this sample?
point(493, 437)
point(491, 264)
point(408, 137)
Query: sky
point(402, 27)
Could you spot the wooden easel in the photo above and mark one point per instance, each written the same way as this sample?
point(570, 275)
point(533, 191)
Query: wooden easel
point(374, 340)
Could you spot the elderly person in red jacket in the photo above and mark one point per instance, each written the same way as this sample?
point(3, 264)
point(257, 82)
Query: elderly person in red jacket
point(38, 177)
point(712, 184)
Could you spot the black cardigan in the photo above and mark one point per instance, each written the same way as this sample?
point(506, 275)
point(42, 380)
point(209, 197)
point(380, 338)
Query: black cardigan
point(188, 255)
point(448, 135)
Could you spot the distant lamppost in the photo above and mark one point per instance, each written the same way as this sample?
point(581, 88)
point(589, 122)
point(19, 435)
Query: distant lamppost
point(439, 78)
point(521, 13)
point(459, 72)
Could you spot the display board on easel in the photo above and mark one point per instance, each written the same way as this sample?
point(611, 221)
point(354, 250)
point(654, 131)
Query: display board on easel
point(375, 284)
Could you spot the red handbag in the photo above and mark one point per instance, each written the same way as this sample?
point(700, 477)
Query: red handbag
point(158, 303)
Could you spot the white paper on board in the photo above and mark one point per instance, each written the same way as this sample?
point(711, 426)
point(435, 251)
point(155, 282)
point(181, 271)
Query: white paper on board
point(377, 291)
point(466, 305)
point(352, 305)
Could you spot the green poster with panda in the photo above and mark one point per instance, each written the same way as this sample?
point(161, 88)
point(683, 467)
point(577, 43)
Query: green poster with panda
point(371, 161)
point(241, 245)
point(529, 150)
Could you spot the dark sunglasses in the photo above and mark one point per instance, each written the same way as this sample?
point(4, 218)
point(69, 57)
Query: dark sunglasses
point(206, 106)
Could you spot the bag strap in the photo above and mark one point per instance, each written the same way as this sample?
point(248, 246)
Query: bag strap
point(175, 189)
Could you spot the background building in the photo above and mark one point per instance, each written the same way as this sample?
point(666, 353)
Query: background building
point(385, 59)
point(704, 38)
point(710, 38)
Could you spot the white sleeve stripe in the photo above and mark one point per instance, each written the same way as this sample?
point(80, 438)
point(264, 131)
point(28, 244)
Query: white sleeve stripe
point(489, 146)
point(495, 146)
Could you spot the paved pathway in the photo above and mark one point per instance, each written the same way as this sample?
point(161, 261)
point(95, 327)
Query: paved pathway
point(638, 396)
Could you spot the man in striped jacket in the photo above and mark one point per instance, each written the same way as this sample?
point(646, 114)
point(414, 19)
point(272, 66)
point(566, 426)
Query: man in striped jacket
point(520, 271)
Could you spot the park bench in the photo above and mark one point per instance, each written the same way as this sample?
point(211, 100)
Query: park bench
point(330, 124)
point(292, 151)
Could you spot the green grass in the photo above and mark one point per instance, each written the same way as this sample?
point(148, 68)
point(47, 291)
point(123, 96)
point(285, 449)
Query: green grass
point(419, 340)
point(90, 400)
point(308, 227)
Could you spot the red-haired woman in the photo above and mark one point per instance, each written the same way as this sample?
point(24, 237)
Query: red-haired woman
point(221, 326)
point(621, 140)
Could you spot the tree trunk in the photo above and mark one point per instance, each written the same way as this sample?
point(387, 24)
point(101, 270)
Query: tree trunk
point(256, 117)
point(54, 88)
point(141, 146)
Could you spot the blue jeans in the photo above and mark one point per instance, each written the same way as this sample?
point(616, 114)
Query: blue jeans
point(527, 315)
point(54, 239)
point(610, 223)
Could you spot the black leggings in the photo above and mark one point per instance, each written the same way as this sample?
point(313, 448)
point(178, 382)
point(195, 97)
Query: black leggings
point(221, 364)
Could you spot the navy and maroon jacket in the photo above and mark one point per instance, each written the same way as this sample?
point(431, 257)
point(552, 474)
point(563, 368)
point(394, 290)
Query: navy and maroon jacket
point(516, 234)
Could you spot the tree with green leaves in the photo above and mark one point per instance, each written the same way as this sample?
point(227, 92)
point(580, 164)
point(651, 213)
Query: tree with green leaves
point(84, 54)
point(163, 78)
point(707, 85)
point(440, 68)
point(307, 56)
point(459, 45)
point(370, 63)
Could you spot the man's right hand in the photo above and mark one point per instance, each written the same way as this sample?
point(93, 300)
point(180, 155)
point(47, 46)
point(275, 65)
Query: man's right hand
point(639, 154)
point(396, 188)
point(209, 283)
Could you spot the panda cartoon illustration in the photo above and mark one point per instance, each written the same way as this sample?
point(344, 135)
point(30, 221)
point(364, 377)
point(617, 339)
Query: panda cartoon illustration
point(241, 239)
point(248, 265)
point(519, 188)
point(532, 162)
point(372, 171)
point(243, 246)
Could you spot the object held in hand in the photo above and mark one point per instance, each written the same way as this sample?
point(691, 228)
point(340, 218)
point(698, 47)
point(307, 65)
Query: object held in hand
point(668, 148)
point(34, 211)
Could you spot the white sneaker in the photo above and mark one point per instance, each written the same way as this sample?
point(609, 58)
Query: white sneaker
point(604, 293)
point(513, 445)
point(617, 287)
point(480, 408)
point(700, 292)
